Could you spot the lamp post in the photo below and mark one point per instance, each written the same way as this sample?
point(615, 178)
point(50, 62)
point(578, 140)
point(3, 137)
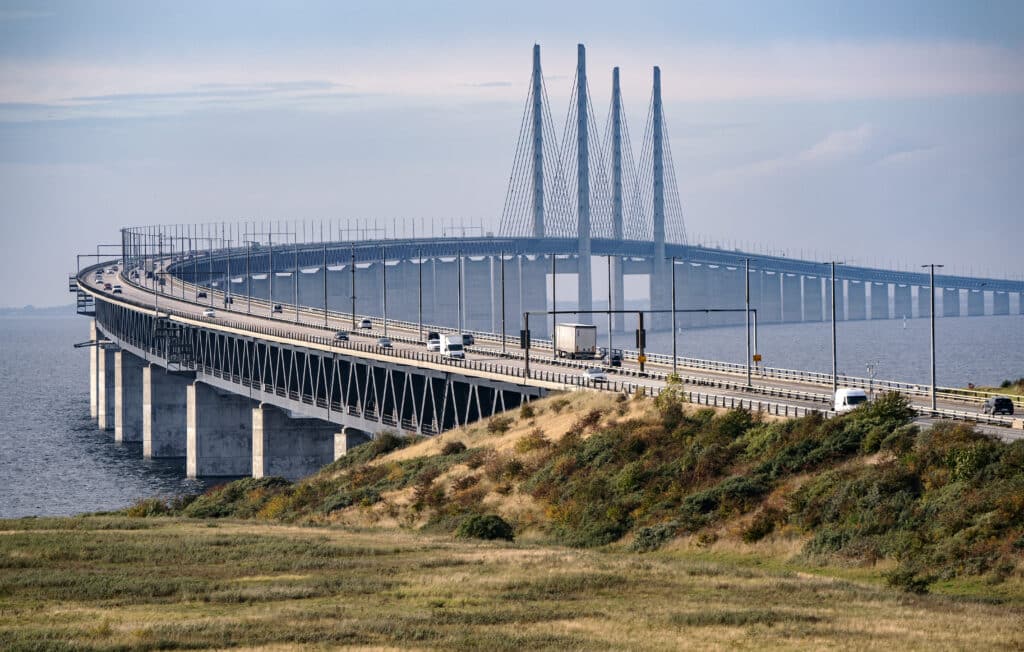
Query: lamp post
point(931, 284)
point(674, 351)
point(746, 310)
point(835, 383)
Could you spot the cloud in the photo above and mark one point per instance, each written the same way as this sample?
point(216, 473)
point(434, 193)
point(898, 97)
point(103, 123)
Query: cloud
point(839, 145)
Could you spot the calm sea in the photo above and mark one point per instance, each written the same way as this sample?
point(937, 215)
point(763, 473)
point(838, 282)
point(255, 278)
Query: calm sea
point(53, 460)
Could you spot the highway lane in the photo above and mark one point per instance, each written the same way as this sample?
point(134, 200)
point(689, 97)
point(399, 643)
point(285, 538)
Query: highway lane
point(186, 298)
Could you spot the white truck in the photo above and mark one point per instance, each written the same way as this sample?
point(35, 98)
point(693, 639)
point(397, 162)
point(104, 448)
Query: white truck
point(451, 347)
point(847, 399)
point(576, 341)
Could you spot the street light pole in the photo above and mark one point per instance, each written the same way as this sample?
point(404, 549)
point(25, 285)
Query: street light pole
point(353, 293)
point(931, 277)
point(295, 279)
point(674, 351)
point(746, 310)
point(502, 259)
point(325, 274)
point(835, 382)
point(384, 284)
point(419, 281)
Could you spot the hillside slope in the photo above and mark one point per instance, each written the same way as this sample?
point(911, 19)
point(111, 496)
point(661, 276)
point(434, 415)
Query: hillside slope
point(589, 469)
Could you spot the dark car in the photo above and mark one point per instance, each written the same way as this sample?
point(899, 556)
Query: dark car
point(468, 340)
point(201, 295)
point(998, 405)
point(278, 308)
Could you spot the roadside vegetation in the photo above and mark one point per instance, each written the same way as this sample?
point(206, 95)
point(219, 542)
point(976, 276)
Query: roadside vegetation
point(547, 527)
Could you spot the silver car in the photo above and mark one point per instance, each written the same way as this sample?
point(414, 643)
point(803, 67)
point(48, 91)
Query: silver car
point(595, 375)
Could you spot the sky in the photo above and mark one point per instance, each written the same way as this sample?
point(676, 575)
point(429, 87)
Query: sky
point(884, 133)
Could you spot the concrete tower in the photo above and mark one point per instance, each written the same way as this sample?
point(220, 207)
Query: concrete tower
point(583, 184)
point(660, 282)
point(617, 290)
point(537, 113)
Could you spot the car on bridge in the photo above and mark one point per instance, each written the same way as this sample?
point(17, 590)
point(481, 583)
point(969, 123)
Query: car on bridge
point(341, 336)
point(384, 342)
point(108, 287)
point(277, 308)
point(847, 399)
point(117, 289)
point(998, 405)
point(595, 375)
point(366, 323)
point(209, 312)
point(200, 295)
point(468, 340)
point(434, 342)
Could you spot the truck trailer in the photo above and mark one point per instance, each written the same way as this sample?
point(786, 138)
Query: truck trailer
point(576, 341)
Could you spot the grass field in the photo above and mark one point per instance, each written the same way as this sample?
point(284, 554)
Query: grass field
point(122, 583)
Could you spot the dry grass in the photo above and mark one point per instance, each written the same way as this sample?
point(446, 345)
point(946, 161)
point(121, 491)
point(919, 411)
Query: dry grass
point(184, 584)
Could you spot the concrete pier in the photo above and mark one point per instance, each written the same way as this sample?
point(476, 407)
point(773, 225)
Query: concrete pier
point(950, 302)
point(879, 301)
point(446, 297)
point(840, 310)
point(792, 300)
point(902, 303)
point(771, 298)
point(128, 396)
point(618, 293)
point(477, 290)
point(93, 371)
point(1000, 303)
point(164, 412)
point(856, 300)
point(975, 303)
point(812, 298)
point(105, 388)
point(287, 447)
point(534, 293)
point(219, 433)
point(924, 305)
point(348, 439)
point(693, 284)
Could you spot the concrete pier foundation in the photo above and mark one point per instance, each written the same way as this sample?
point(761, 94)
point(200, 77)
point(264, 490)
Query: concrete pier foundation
point(693, 292)
point(660, 289)
point(856, 300)
point(128, 396)
point(513, 312)
point(445, 278)
point(902, 304)
point(369, 289)
point(771, 298)
point(792, 300)
point(534, 293)
point(879, 301)
point(727, 293)
point(348, 439)
point(219, 433)
point(287, 447)
point(93, 371)
point(618, 293)
point(840, 309)
point(812, 298)
point(164, 412)
point(105, 388)
point(950, 302)
point(1000, 303)
point(924, 305)
point(476, 279)
point(975, 303)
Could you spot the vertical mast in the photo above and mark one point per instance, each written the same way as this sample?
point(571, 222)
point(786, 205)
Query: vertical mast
point(538, 146)
point(585, 293)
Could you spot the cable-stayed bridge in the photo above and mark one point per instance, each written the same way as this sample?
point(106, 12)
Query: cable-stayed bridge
point(216, 342)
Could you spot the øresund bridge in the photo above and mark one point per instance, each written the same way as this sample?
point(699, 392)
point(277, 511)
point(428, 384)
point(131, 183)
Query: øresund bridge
point(218, 342)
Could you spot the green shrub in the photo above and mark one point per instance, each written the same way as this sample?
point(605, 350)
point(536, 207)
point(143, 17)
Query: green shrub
point(485, 526)
point(526, 411)
point(762, 525)
point(535, 440)
point(559, 404)
point(453, 448)
point(499, 425)
point(146, 507)
point(653, 537)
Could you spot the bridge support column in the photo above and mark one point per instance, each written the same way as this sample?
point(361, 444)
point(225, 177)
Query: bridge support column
point(370, 291)
point(792, 301)
point(513, 310)
point(476, 282)
point(287, 447)
point(219, 433)
point(1000, 303)
point(403, 291)
point(975, 303)
point(812, 298)
point(534, 293)
point(924, 306)
point(445, 277)
point(164, 412)
point(127, 396)
point(105, 388)
point(950, 302)
point(879, 301)
point(771, 298)
point(618, 293)
point(93, 371)
point(856, 300)
point(901, 302)
point(840, 311)
point(348, 439)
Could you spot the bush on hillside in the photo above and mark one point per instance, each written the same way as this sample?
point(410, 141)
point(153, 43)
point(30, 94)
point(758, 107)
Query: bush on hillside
point(485, 526)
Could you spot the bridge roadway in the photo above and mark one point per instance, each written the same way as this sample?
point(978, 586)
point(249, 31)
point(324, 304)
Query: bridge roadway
point(725, 387)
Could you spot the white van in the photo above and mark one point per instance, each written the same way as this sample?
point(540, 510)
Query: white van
point(847, 399)
point(451, 347)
